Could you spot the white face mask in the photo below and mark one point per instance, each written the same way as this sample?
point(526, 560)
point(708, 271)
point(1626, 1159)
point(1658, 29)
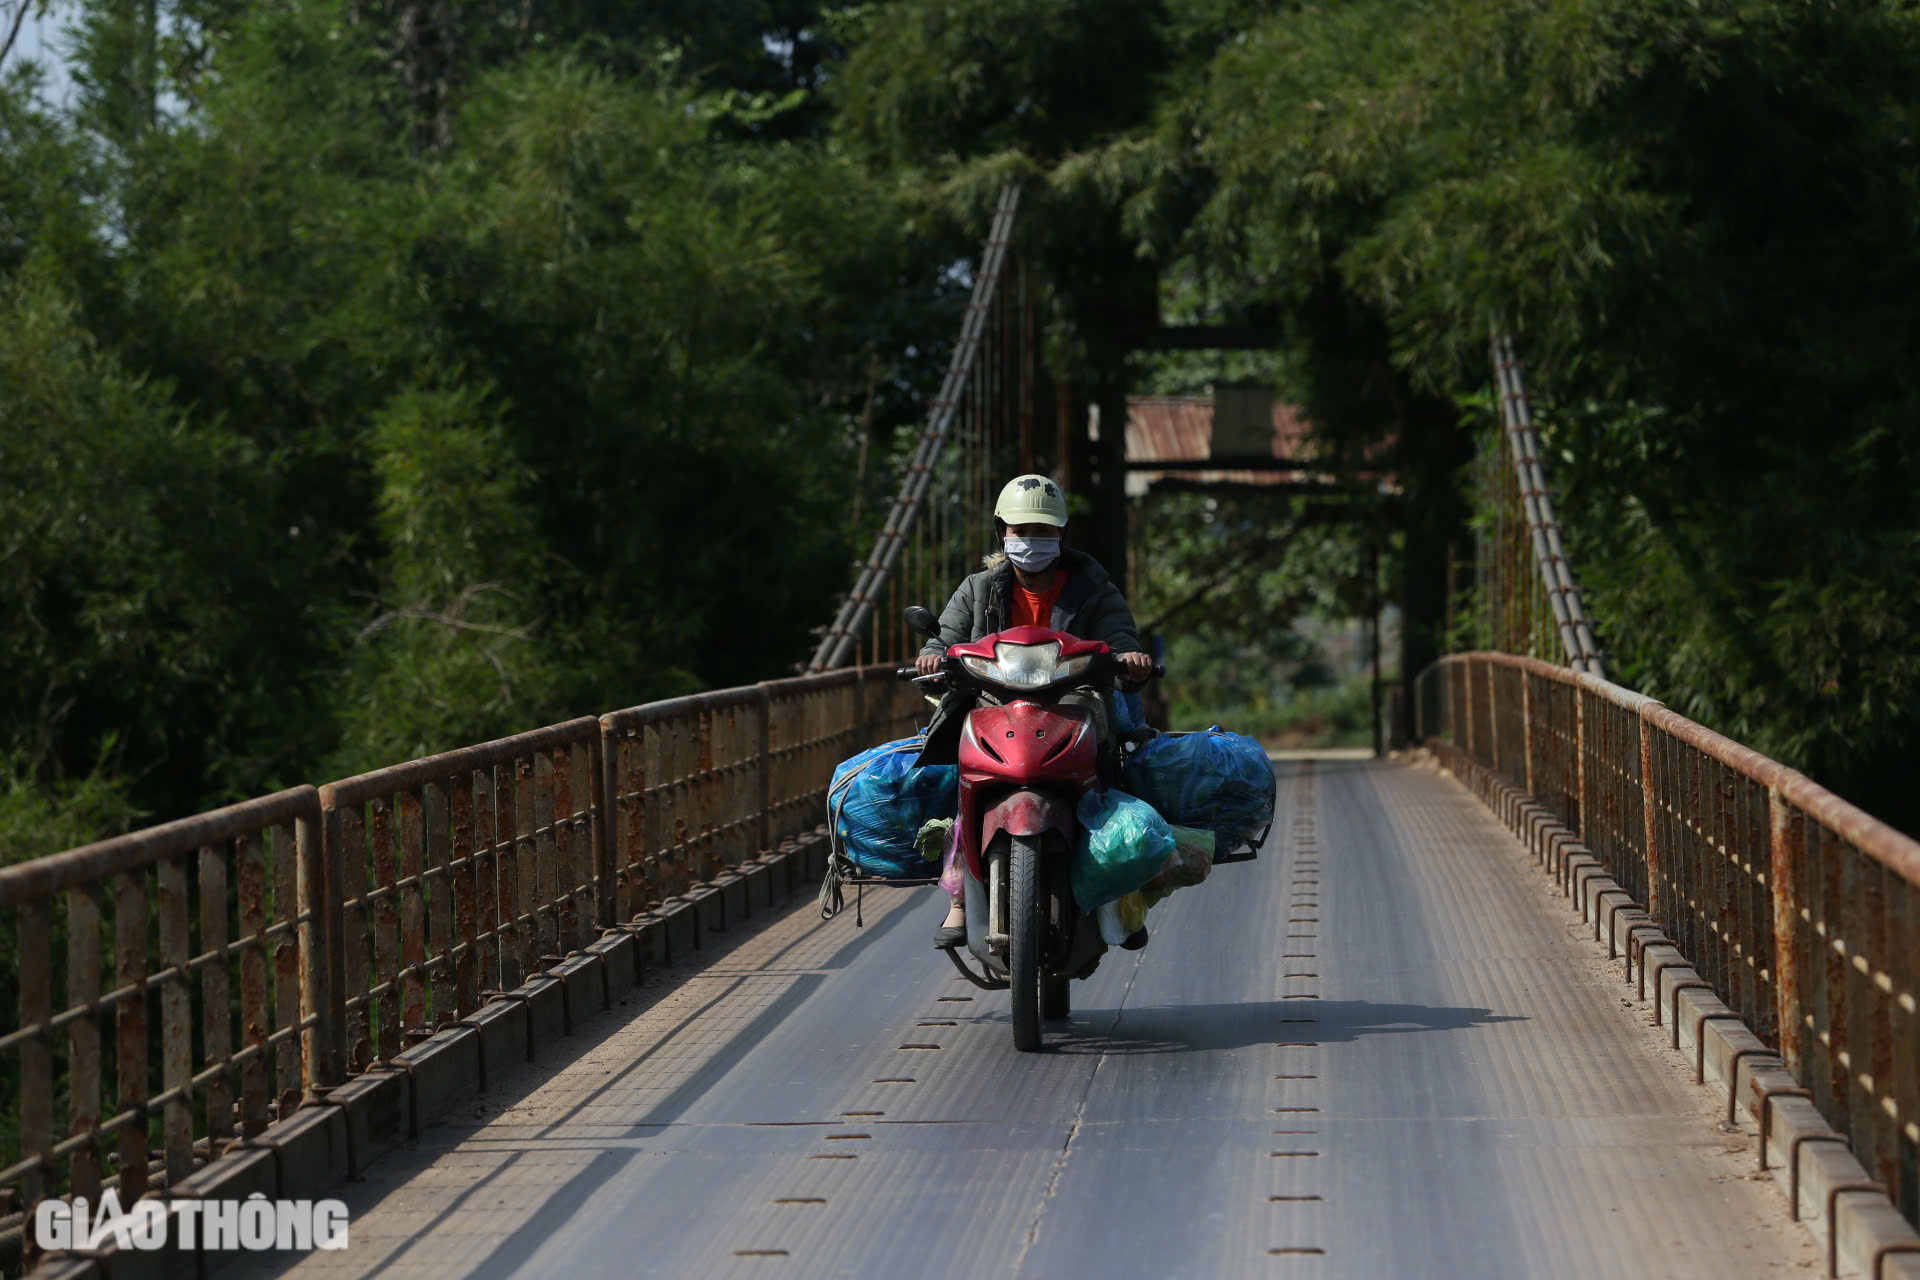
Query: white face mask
point(1033, 554)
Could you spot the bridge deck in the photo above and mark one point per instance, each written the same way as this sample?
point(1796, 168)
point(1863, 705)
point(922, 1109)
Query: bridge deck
point(1377, 1051)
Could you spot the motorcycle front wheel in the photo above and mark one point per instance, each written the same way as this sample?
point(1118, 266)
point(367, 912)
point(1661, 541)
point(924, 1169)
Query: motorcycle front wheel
point(1026, 927)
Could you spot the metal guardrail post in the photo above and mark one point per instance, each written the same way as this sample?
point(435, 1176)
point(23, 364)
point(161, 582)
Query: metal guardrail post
point(176, 1012)
point(1466, 732)
point(216, 993)
point(764, 839)
point(1526, 729)
point(1786, 846)
point(323, 972)
point(83, 1038)
point(1493, 719)
point(620, 896)
point(1657, 904)
point(36, 1056)
point(1580, 761)
point(1453, 719)
point(606, 831)
point(130, 1023)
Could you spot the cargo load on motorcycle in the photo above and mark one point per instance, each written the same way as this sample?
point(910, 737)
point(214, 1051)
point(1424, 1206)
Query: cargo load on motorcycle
point(1063, 821)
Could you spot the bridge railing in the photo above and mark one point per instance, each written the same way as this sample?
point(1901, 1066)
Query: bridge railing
point(183, 986)
point(108, 965)
point(456, 875)
point(1802, 911)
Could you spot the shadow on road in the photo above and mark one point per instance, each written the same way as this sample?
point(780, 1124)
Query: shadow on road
point(1201, 1028)
point(506, 1169)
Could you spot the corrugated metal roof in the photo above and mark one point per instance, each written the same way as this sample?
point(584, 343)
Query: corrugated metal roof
point(1180, 429)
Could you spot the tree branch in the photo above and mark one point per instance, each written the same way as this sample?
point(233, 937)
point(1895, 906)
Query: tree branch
point(453, 615)
point(1254, 555)
point(13, 32)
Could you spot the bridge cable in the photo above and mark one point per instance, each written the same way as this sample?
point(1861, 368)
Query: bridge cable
point(1549, 555)
point(956, 393)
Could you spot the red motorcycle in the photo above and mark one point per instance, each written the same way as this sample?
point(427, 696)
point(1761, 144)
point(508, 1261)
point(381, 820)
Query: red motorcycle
point(1026, 757)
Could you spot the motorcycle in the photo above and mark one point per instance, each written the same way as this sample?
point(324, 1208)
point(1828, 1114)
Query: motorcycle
point(1025, 760)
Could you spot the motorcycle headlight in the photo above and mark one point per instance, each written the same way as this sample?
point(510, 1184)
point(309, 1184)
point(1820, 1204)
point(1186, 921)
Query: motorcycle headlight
point(1073, 666)
point(985, 668)
point(1026, 666)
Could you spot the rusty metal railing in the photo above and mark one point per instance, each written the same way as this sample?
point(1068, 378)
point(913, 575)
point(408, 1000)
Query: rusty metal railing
point(282, 945)
point(205, 930)
point(814, 721)
point(459, 875)
point(1802, 911)
point(688, 788)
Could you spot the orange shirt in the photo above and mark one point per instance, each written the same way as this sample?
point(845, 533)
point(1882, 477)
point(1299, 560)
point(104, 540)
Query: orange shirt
point(1035, 608)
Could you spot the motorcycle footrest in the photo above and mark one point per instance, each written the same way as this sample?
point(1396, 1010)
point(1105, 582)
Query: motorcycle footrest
point(966, 971)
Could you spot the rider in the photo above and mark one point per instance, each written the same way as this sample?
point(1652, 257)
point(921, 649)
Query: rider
point(1037, 580)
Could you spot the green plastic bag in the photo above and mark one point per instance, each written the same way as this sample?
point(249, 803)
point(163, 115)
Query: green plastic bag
point(1123, 844)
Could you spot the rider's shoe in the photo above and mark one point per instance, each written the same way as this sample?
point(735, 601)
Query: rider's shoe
point(953, 928)
point(1137, 940)
point(949, 936)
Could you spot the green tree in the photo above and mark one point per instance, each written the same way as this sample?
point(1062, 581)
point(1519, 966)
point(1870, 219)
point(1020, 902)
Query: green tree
point(633, 302)
point(146, 593)
point(1699, 219)
point(454, 654)
point(651, 314)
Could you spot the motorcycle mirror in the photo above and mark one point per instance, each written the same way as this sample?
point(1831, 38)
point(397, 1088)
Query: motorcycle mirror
point(921, 619)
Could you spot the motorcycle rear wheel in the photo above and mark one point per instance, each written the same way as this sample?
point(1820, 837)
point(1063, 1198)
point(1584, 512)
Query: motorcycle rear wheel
point(1026, 925)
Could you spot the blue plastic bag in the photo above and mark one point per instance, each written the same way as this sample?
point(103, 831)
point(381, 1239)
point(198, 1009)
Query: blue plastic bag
point(1221, 782)
point(1123, 844)
point(878, 802)
point(1129, 711)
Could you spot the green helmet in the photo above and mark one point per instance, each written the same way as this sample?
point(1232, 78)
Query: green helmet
point(1032, 500)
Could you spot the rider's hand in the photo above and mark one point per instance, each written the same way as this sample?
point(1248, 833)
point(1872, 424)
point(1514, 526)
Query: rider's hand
point(1138, 667)
point(927, 664)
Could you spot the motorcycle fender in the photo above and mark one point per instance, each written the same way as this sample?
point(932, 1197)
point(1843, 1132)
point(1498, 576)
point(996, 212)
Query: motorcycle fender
point(1023, 813)
point(1027, 813)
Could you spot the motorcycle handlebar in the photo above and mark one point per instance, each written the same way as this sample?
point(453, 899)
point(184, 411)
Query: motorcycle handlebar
point(1159, 670)
point(1112, 665)
point(913, 674)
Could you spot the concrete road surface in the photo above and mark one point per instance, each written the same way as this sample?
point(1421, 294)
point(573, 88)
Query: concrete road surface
point(1379, 1051)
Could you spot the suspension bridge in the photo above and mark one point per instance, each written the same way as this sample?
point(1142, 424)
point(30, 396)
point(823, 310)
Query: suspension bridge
point(1564, 984)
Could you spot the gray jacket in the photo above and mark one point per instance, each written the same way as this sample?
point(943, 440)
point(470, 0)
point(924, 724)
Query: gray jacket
point(1090, 606)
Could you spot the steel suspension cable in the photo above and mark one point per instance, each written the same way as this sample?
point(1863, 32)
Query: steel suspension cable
point(903, 516)
point(1549, 556)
